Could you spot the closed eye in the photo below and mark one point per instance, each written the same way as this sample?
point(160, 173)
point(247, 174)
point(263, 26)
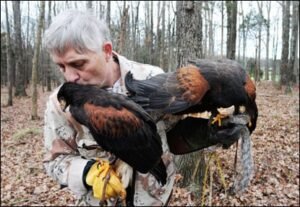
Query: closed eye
point(78, 64)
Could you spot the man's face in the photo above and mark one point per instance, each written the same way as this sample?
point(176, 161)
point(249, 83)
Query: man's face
point(86, 68)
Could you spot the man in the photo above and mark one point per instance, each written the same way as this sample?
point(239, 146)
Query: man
point(80, 45)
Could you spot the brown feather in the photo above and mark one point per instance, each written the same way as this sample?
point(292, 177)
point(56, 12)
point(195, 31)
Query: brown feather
point(103, 118)
point(250, 88)
point(193, 83)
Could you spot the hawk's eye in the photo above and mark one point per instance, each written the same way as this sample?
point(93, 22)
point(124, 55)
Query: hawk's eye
point(63, 104)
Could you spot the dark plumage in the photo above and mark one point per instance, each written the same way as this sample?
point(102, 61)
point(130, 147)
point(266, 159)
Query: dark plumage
point(118, 125)
point(204, 85)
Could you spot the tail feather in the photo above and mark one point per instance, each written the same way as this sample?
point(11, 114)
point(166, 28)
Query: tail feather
point(144, 87)
point(160, 173)
point(129, 82)
point(137, 87)
point(142, 101)
point(246, 171)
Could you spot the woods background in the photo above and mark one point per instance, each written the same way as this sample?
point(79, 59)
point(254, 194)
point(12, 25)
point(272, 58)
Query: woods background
point(261, 35)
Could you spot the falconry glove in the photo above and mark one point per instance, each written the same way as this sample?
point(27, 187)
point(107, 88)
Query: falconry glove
point(203, 135)
point(104, 181)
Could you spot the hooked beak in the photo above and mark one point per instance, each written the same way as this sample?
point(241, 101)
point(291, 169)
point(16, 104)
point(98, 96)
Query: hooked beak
point(63, 104)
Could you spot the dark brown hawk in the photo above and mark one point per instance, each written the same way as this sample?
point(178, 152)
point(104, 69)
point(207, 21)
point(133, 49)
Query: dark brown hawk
point(203, 85)
point(118, 125)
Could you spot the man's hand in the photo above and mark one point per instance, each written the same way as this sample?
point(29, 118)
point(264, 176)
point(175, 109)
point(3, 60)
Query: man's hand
point(192, 134)
point(104, 181)
point(227, 136)
point(231, 130)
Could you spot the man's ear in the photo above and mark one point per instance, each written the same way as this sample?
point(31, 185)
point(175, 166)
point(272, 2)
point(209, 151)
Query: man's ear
point(107, 49)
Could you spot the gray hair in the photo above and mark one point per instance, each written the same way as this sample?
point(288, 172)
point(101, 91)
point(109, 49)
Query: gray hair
point(79, 30)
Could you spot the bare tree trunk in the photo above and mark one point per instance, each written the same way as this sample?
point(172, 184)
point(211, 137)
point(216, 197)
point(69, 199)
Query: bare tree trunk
point(174, 51)
point(210, 28)
point(4, 72)
point(26, 52)
point(205, 20)
point(169, 39)
point(48, 68)
point(293, 45)
point(123, 31)
point(37, 44)
point(158, 37)
point(102, 10)
point(162, 59)
point(9, 59)
point(268, 5)
point(13, 64)
point(133, 32)
point(20, 75)
point(89, 4)
point(151, 47)
point(54, 8)
point(67, 5)
point(75, 5)
point(189, 38)
point(128, 39)
point(231, 28)
point(42, 73)
point(189, 32)
point(108, 9)
point(296, 65)
point(148, 33)
point(222, 27)
point(275, 44)
point(135, 21)
point(256, 68)
point(285, 45)
point(239, 37)
point(260, 8)
point(244, 36)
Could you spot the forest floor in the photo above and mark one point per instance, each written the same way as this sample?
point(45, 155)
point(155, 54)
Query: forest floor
point(275, 149)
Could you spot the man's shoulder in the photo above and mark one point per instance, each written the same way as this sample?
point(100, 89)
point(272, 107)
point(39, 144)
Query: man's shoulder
point(139, 70)
point(145, 71)
point(52, 99)
point(55, 91)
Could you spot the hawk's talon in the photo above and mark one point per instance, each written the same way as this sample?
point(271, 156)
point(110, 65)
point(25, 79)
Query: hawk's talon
point(218, 119)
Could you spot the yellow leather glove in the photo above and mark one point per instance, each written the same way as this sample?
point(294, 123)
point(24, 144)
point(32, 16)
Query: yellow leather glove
point(105, 182)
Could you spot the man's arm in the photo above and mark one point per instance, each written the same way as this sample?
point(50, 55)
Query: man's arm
point(62, 162)
point(65, 161)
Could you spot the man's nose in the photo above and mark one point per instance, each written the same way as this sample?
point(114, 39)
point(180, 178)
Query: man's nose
point(71, 75)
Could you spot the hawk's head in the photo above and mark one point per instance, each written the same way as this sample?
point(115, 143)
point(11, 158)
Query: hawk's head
point(64, 95)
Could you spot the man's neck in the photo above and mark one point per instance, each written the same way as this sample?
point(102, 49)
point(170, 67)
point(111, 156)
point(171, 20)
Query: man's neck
point(116, 72)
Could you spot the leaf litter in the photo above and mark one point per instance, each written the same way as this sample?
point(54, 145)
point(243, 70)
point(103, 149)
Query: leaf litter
point(275, 145)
